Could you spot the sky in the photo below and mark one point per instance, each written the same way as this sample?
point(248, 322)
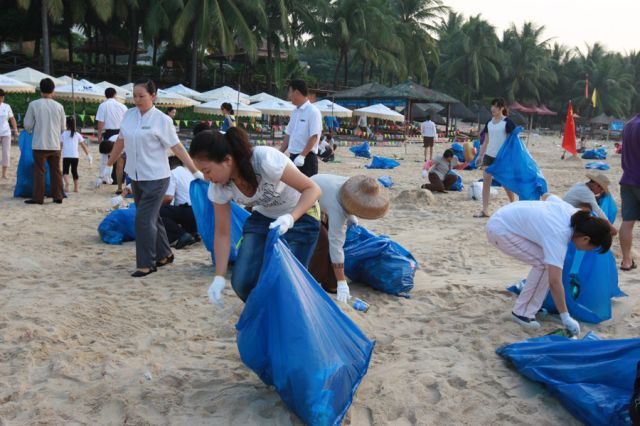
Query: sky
point(614, 23)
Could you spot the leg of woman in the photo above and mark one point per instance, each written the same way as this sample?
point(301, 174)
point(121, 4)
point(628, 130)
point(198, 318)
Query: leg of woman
point(74, 173)
point(163, 249)
point(6, 153)
point(66, 164)
point(148, 196)
point(486, 192)
point(246, 269)
point(303, 237)
point(511, 195)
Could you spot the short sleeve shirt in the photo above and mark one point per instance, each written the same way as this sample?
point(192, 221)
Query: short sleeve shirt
point(111, 113)
point(179, 185)
point(273, 198)
point(441, 166)
point(70, 144)
point(5, 114)
point(428, 129)
point(305, 122)
point(498, 134)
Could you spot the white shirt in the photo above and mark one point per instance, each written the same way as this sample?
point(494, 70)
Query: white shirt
point(330, 205)
point(111, 113)
point(581, 194)
point(305, 122)
point(179, 184)
point(428, 129)
point(45, 118)
point(546, 223)
point(70, 144)
point(497, 136)
point(5, 114)
point(146, 140)
point(273, 198)
point(323, 145)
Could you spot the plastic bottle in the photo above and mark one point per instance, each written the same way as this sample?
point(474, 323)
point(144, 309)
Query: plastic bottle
point(360, 305)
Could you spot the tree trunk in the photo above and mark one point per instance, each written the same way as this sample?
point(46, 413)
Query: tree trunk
point(194, 61)
point(133, 42)
point(269, 70)
point(70, 44)
point(371, 72)
point(154, 61)
point(221, 73)
point(44, 16)
point(335, 74)
point(36, 51)
point(346, 67)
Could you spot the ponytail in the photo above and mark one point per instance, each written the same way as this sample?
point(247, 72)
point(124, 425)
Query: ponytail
point(227, 107)
point(214, 146)
point(71, 125)
point(597, 229)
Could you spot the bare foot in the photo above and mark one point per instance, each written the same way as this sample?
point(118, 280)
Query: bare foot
point(75, 190)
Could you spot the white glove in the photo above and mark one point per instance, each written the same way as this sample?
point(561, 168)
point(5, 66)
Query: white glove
point(285, 222)
point(570, 324)
point(215, 290)
point(198, 175)
point(98, 182)
point(89, 158)
point(299, 161)
point(352, 220)
point(343, 292)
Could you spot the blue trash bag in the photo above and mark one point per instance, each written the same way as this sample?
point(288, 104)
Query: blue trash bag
point(608, 206)
point(597, 165)
point(24, 175)
point(592, 378)
point(382, 163)
point(595, 154)
point(386, 181)
point(473, 164)
point(295, 338)
point(361, 150)
point(378, 262)
point(457, 186)
point(458, 150)
point(205, 218)
point(119, 226)
point(516, 170)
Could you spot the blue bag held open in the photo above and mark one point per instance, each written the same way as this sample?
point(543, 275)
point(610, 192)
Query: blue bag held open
point(592, 378)
point(361, 150)
point(24, 175)
point(378, 262)
point(205, 218)
point(516, 170)
point(119, 226)
point(295, 338)
point(457, 186)
point(382, 163)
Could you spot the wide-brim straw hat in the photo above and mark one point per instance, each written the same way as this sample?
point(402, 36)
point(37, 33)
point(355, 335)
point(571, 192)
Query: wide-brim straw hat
point(364, 197)
point(600, 179)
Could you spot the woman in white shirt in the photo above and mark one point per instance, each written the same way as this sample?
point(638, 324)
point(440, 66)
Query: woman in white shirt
point(538, 233)
point(6, 116)
point(495, 133)
point(145, 135)
point(266, 180)
point(70, 139)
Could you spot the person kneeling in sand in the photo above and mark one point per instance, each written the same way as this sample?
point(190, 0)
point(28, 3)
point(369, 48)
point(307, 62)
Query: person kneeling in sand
point(440, 180)
point(343, 200)
point(538, 233)
point(589, 193)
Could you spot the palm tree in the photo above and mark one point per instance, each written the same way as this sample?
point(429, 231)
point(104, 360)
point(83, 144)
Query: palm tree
point(49, 10)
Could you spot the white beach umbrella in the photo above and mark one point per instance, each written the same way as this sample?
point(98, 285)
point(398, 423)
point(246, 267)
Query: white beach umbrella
point(379, 111)
point(11, 85)
point(82, 90)
point(275, 107)
point(67, 80)
point(331, 109)
point(128, 87)
point(183, 90)
point(261, 97)
point(164, 98)
point(226, 94)
point(119, 90)
point(32, 77)
point(240, 109)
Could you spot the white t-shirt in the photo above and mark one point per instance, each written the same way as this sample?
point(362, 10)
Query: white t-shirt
point(323, 145)
point(546, 223)
point(498, 134)
point(441, 166)
point(428, 129)
point(5, 114)
point(179, 184)
point(330, 205)
point(111, 113)
point(70, 144)
point(305, 122)
point(580, 193)
point(273, 198)
point(146, 140)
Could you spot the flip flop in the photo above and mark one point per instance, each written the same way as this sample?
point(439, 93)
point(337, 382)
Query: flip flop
point(480, 215)
point(633, 266)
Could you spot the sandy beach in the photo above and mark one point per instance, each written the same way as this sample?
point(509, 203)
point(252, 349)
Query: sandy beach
point(83, 343)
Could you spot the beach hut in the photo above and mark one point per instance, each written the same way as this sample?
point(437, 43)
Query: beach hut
point(166, 99)
point(119, 90)
point(261, 97)
point(381, 112)
point(183, 90)
point(275, 107)
point(32, 77)
point(11, 85)
point(227, 94)
point(331, 109)
point(240, 109)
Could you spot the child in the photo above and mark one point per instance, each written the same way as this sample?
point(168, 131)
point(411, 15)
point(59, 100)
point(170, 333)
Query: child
point(70, 140)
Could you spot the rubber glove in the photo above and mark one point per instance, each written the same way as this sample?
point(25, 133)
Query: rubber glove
point(89, 158)
point(299, 161)
point(352, 220)
point(343, 292)
point(198, 175)
point(215, 290)
point(570, 324)
point(285, 222)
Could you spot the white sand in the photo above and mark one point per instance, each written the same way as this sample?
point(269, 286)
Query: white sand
point(83, 343)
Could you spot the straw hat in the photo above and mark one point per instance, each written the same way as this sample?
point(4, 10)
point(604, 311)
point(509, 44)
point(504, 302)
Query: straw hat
point(364, 197)
point(600, 179)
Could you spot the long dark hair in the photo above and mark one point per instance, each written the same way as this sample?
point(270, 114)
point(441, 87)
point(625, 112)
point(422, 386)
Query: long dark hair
point(499, 102)
point(71, 125)
point(214, 146)
point(227, 107)
point(596, 228)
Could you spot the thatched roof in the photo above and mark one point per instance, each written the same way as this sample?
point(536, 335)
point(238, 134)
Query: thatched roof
point(414, 91)
point(601, 119)
point(367, 90)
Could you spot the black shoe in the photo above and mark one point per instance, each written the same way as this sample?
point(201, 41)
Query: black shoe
point(118, 192)
point(32, 201)
point(57, 201)
point(164, 262)
point(185, 239)
point(140, 274)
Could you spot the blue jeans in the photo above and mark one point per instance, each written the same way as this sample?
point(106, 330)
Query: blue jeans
point(302, 239)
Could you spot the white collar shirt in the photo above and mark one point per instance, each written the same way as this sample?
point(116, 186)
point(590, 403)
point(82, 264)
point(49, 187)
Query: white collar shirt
point(146, 140)
point(111, 113)
point(305, 122)
point(179, 184)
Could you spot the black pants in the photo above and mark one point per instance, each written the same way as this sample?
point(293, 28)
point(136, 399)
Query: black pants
point(70, 163)
point(310, 166)
point(178, 220)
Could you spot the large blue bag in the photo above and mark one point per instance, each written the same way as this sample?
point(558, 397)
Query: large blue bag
point(24, 176)
point(295, 338)
point(516, 170)
point(205, 218)
point(595, 154)
point(382, 163)
point(457, 186)
point(379, 262)
point(473, 164)
point(119, 226)
point(458, 150)
point(361, 150)
point(592, 378)
point(608, 206)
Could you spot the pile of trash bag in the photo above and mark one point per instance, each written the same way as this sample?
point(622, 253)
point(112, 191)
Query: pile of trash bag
point(457, 186)
point(595, 154)
point(361, 150)
point(24, 174)
point(382, 163)
point(597, 165)
point(119, 226)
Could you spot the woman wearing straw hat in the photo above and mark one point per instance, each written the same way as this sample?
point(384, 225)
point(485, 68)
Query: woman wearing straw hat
point(343, 200)
point(583, 193)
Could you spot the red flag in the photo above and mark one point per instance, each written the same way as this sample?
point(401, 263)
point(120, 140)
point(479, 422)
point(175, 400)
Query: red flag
point(569, 138)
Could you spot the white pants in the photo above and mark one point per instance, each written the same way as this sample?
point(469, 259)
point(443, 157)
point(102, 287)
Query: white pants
point(6, 151)
point(536, 288)
point(105, 171)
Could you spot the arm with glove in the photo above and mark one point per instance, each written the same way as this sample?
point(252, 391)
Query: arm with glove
point(309, 194)
point(337, 237)
point(221, 249)
point(557, 293)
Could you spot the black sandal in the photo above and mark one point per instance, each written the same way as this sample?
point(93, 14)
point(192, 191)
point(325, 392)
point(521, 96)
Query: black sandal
point(164, 262)
point(633, 266)
point(140, 274)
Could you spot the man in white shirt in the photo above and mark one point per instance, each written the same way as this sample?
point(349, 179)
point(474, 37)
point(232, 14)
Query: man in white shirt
point(109, 116)
point(428, 130)
point(303, 131)
point(176, 212)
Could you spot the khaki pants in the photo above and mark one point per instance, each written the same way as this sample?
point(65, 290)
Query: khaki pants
point(40, 157)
